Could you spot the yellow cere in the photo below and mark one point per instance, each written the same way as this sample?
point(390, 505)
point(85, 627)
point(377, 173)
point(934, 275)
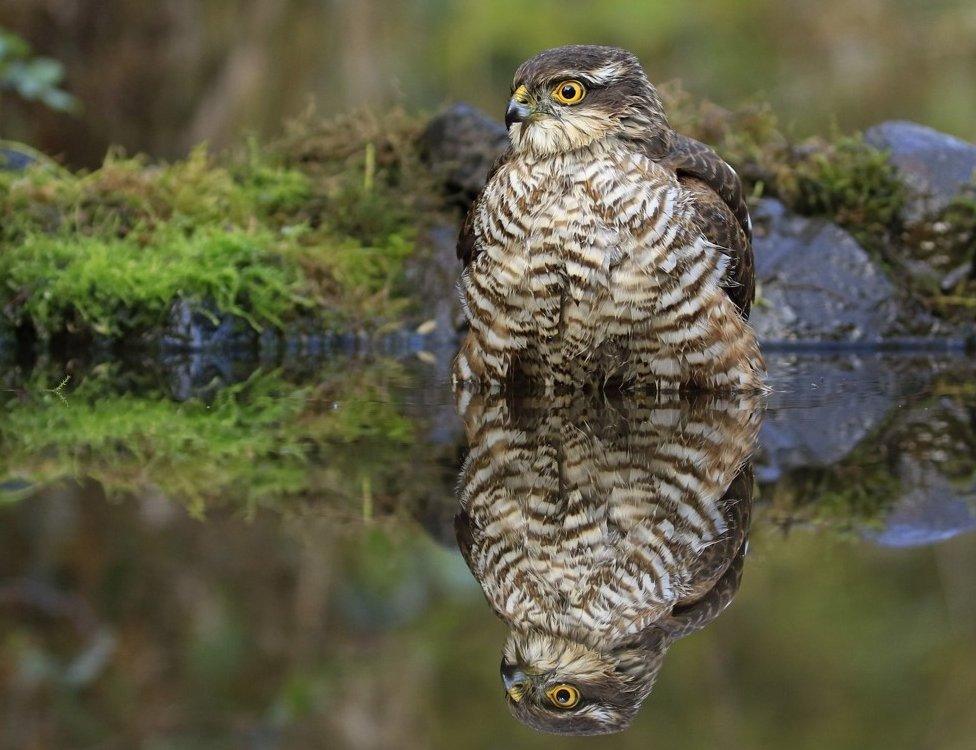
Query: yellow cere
point(521, 95)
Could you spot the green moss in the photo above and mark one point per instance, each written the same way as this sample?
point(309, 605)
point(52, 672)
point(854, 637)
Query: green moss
point(842, 178)
point(855, 496)
point(320, 222)
point(275, 191)
point(253, 442)
point(113, 286)
point(368, 177)
point(944, 247)
point(851, 182)
point(130, 194)
point(851, 494)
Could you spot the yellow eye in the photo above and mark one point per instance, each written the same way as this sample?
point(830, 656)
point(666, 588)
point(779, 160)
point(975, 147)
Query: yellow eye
point(563, 695)
point(569, 92)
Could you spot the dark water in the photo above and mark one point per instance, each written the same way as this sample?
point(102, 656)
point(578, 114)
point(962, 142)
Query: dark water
point(216, 554)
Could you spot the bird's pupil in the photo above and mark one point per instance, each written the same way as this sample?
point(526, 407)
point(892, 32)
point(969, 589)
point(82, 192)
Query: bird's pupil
point(569, 92)
point(563, 696)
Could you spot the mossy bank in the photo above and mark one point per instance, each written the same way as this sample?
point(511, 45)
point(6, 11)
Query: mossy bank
point(316, 231)
point(311, 231)
point(848, 180)
point(269, 440)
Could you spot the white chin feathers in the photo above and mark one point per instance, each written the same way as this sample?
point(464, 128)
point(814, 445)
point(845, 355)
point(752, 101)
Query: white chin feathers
point(552, 135)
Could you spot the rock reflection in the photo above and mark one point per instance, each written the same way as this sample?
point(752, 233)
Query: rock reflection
point(601, 532)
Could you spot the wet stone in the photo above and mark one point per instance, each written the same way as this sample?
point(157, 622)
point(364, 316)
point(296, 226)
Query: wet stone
point(191, 328)
point(433, 275)
point(934, 167)
point(816, 283)
point(460, 145)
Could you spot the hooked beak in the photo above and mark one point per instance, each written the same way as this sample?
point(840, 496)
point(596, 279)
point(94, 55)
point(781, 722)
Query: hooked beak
point(516, 112)
point(515, 681)
point(519, 108)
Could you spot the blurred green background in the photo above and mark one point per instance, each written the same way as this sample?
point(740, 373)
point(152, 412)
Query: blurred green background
point(161, 77)
point(271, 564)
point(168, 632)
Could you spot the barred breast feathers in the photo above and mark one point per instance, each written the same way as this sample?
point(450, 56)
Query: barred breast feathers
point(596, 259)
point(593, 529)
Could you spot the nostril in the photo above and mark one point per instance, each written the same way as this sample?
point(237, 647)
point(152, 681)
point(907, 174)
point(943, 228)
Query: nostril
point(512, 676)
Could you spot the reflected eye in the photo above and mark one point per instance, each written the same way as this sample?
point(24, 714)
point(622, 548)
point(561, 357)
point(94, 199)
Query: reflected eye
point(569, 92)
point(563, 696)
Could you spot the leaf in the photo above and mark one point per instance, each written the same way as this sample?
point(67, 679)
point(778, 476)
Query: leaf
point(12, 46)
point(60, 100)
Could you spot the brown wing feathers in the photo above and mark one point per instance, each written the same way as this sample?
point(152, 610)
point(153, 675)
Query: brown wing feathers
point(691, 158)
point(722, 211)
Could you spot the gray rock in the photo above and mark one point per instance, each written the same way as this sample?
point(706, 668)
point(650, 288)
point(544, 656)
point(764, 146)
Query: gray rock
point(192, 328)
point(934, 167)
point(816, 283)
point(930, 510)
point(821, 408)
point(15, 158)
point(460, 145)
point(432, 275)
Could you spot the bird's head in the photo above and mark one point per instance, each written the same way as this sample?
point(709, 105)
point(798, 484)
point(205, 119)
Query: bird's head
point(564, 686)
point(567, 98)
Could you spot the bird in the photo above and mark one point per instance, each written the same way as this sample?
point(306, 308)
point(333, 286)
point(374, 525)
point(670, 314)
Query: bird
point(601, 533)
point(605, 248)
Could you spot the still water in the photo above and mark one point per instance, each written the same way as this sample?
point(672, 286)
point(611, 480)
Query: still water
point(213, 553)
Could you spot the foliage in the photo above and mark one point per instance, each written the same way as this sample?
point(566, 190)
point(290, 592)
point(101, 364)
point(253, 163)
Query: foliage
point(842, 178)
point(320, 222)
point(112, 286)
point(850, 181)
point(32, 77)
point(252, 441)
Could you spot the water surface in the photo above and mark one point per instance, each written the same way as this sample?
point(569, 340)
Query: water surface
point(213, 553)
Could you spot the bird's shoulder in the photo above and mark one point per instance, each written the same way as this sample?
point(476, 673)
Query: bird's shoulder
point(691, 159)
point(467, 246)
point(718, 199)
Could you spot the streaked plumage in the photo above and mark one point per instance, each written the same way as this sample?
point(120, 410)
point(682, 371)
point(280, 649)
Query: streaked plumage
point(605, 246)
point(600, 533)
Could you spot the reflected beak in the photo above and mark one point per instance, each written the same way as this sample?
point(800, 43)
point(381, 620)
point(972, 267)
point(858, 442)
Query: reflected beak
point(517, 112)
point(515, 681)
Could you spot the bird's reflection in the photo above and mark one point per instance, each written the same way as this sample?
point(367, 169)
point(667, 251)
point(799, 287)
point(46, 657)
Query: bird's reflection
point(601, 532)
